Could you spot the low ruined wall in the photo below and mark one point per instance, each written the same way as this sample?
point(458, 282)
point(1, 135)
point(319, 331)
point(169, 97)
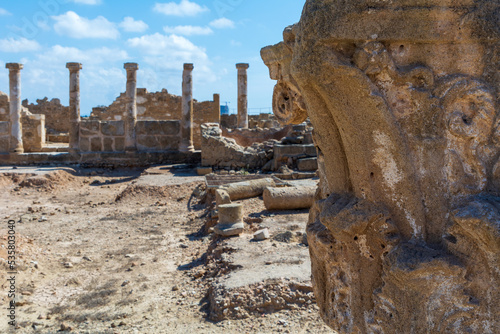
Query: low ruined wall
point(162, 106)
point(33, 132)
point(220, 152)
point(158, 135)
point(246, 137)
point(4, 107)
point(56, 115)
point(97, 136)
point(4, 137)
point(283, 153)
point(204, 112)
point(265, 121)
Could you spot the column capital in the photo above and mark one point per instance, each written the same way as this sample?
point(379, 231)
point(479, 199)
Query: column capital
point(131, 66)
point(188, 66)
point(14, 66)
point(74, 66)
point(242, 66)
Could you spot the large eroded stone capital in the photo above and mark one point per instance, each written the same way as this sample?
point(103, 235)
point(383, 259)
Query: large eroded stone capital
point(74, 67)
point(131, 66)
point(14, 66)
point(242, 66)
point(403, 97)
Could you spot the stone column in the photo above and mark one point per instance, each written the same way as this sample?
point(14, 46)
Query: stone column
point(186, 144)
point(242, 96)
point(74, 106)
point(16, 129)
point(131, 108)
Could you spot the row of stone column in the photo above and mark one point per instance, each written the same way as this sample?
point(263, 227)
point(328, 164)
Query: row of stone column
point(130, 119)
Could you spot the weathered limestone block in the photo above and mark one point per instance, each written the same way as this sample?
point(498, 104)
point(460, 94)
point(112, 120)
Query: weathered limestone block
point(404, 234)
point(307, 164)
point(158, 135)
point(230, 220)
point(33, 132)
point(222, 197)
point(97, 136)
point(218, 151)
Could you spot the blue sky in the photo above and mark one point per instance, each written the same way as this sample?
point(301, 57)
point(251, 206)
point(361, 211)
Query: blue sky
point(159, 35)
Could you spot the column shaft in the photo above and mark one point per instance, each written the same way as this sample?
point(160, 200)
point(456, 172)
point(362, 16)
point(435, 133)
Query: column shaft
point(242, 96)
point(186, 144)
point(16, 129)
point(131, 109)
point(74, 106)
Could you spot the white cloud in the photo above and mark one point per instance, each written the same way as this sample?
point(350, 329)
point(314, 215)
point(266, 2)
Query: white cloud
point(58, 55)
point(167, 53)
point(18, 45)
point(184, 8)
point(130, 25)
point(188, 30)
point(73, 25)
point(222, 23)
point(88, 2)
point(4, 12)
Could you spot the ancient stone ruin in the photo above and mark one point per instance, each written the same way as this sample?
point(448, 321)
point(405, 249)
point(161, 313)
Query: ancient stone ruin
point(141, 127)
point(403, 96)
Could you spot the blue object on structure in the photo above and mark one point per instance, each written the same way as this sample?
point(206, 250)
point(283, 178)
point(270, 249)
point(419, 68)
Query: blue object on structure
point(224, 110)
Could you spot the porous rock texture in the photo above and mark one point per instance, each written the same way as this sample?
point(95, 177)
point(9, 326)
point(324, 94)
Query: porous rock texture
point(404, 235)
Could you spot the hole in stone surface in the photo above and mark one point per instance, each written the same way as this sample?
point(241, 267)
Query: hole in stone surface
point(355, 238)
point(401, 48)
point(451, 238)
point(383, 246)
point(372, 174)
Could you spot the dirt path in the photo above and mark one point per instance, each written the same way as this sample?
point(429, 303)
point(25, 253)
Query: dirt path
point(116, 252)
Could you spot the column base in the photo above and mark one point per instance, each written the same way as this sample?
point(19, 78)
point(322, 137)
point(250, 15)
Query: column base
point(18, 150)
point(186, 149)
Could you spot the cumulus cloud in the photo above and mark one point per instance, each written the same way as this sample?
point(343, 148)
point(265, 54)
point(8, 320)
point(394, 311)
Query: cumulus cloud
point(102, 77)
point(58, 55)
point(18, 45)
point(88, 2)
point(130, 25)
point(4, 12)
point(75, 26)
point(167, 54)
point(222, 23)
point(188, 30)
point(184, 8)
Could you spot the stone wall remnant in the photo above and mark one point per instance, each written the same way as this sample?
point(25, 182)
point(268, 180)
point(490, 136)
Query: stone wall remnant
point(4, 137)
point(4, 107)
point(218, 151)
point(404, 234)
point(33, 132)
point(56, 115)
point(16, 129)
point(162, 106)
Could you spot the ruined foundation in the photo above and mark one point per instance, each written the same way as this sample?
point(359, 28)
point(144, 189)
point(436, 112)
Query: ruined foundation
point(405, 232)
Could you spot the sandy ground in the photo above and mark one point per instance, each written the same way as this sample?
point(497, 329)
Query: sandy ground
point(122, 251)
